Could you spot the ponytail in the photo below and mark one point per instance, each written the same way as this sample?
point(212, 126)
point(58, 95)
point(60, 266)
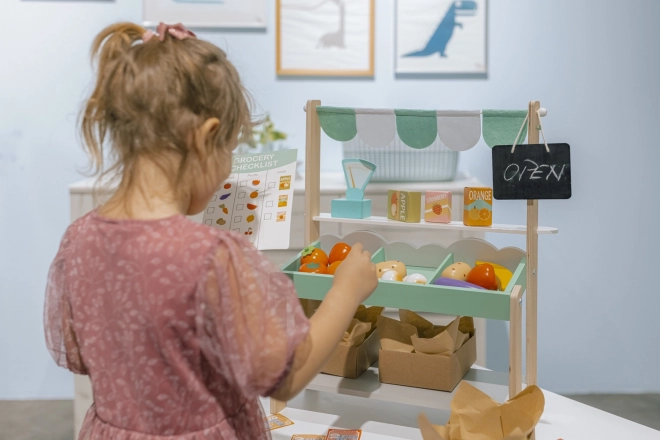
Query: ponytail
point(110, 45)
point(114, 41)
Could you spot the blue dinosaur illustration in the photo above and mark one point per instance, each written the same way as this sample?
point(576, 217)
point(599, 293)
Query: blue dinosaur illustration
point(444, 32)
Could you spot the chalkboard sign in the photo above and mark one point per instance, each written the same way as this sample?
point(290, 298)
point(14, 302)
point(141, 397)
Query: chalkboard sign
point(530, 172)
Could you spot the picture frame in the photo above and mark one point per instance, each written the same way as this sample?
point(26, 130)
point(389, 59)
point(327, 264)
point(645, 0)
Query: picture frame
point(211, 14)
point(441, 37)
point(325, 38)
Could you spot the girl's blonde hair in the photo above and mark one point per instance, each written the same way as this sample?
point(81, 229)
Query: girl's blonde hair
point(150, 98)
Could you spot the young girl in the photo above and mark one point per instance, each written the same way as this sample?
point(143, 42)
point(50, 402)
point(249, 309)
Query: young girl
point(179, 326)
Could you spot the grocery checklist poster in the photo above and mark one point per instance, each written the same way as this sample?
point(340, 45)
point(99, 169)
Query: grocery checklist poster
point(255, 201)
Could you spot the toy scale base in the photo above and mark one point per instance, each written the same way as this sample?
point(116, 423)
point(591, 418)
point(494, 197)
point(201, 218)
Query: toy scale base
point(344, 208)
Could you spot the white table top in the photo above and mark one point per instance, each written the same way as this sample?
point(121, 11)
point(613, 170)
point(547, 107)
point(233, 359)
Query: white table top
point(563, 418)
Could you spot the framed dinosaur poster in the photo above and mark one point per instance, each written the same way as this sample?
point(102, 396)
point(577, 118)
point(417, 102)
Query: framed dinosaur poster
point(441, 37)
point(325, 37)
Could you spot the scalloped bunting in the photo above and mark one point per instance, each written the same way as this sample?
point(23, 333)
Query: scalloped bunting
point(500, 127)
point(459, 130)
point(417, 128)
point(376, 127)
point(338, 122)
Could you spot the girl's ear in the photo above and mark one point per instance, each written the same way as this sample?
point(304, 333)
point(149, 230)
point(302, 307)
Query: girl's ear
point(204, 135)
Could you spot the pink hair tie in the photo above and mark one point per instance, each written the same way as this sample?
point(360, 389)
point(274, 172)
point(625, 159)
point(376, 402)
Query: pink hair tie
point(178, 31)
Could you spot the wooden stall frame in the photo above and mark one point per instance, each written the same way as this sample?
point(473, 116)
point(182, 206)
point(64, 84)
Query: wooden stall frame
point(312, 233)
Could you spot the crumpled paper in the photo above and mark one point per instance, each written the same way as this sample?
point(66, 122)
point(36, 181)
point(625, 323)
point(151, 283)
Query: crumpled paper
point(412, 333)
point(475, 416)
point(362, 325)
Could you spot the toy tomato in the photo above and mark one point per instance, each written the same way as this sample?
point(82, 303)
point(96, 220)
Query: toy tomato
point(483, 275)
point(314, 255)
point(339, 252)
point(314, 268)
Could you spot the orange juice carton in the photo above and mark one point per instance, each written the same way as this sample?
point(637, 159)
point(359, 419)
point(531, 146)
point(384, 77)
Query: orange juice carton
point(478, 206)
point(404, 206)
point(437, 206)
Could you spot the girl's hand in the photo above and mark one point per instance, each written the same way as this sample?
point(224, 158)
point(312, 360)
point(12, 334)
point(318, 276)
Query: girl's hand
point(356, 276)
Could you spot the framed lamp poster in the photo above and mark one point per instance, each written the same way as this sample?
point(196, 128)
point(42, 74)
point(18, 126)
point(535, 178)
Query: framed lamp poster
point(325, 37)
point(441, 37)
point(206, 13)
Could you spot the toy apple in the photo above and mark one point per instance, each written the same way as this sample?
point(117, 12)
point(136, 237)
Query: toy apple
point(339, 252)
point(333, 267)
point(417, 278)
point(381, 268)
point(450, 282)
point(483, 275)
point(457, 271)
point(314, 268)
point(312, 254)
point(391, 275)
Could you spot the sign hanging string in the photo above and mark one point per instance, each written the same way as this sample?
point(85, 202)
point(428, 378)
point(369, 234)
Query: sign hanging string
point(538, 112)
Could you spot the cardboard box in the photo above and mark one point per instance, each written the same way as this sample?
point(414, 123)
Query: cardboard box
point(358, 349)
point(404, 206)
point(416, 353)
point(430, 371)
point(351, 362)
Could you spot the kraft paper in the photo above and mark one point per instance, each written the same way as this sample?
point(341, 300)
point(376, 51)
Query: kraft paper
point(363, 324)
point(416, 334)
point(475, 416)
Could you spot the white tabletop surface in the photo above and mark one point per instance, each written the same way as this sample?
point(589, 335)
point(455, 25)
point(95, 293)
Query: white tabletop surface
point(563, 418)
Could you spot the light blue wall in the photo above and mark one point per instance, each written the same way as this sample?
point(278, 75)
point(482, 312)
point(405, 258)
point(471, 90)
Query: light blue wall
point(593, 64)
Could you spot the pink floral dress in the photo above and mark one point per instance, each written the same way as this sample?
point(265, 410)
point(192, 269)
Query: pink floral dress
point(179, 326)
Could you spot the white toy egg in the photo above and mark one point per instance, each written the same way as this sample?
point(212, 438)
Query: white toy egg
point(391, 275)
point(415, 278)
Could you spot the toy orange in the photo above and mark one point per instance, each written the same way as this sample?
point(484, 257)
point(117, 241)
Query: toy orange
point(339, 252)
point(333, 267)
point(313, 255)
point(314, 268)
point(483, 275)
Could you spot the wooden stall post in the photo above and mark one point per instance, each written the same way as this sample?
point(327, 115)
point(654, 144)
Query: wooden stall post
point(312, 185)
point(515, 342)
point(532, 260)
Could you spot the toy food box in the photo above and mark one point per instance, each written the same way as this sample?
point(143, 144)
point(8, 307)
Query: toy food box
point(437, 206)
point(404, 206)
point(416, 353)
point(478, 206)
point(358, 349)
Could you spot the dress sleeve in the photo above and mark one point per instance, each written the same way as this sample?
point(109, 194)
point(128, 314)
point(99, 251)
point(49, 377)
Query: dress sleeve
point(61, 339)
point(249, 318)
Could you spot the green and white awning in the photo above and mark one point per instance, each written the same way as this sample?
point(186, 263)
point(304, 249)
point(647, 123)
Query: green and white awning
point(458, 130)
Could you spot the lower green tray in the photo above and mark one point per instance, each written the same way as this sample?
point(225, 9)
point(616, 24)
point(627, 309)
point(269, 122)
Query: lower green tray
point(417, 297)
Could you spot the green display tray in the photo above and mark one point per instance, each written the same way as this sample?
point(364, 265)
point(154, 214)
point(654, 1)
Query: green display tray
point(417, 297)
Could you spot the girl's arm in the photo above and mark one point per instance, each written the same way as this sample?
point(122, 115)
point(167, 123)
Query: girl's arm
point(354, 281)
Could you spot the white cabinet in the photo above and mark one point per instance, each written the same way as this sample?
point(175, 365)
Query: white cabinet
point(332, 187)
